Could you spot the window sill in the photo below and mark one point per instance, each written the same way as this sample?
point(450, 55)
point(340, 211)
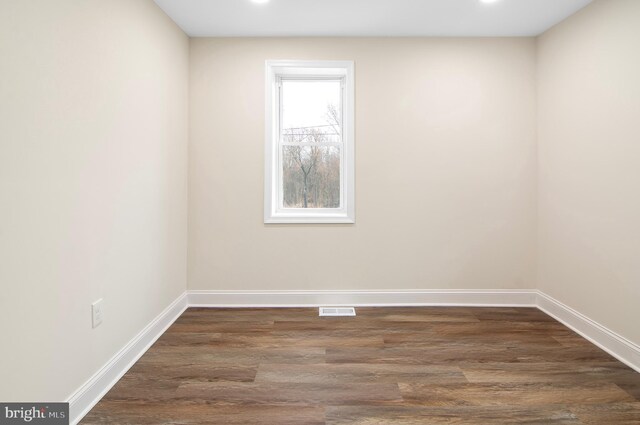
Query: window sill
point(284, 218)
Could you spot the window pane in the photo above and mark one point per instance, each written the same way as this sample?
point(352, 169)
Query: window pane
point(311, 111)
point(311, 176)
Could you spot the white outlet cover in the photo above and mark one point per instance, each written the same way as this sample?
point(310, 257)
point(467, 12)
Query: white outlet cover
point(96, 313)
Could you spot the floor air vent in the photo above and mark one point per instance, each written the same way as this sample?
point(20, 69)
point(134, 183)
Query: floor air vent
point(337, 311)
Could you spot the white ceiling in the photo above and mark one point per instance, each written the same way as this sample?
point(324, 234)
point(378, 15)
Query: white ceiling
point(455, 18)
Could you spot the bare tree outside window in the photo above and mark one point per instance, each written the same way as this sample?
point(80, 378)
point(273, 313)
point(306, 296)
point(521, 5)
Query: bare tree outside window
point(311, 176)
point(311, 154)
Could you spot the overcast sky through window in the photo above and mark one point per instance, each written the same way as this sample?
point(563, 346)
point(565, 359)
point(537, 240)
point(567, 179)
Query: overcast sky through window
point(305, 103)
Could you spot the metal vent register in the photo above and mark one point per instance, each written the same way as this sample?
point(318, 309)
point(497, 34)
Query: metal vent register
point(337, 311)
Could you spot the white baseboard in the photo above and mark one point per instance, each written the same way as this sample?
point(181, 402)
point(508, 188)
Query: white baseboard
point(83, 400)
point(101, 382)
point(472, 298)
point(619, 347)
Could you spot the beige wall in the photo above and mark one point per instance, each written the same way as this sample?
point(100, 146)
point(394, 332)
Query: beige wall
point(445, 168)
point(589, 184)
point(93, 196)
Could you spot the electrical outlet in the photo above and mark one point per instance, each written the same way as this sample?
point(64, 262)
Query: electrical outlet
point(96, 313)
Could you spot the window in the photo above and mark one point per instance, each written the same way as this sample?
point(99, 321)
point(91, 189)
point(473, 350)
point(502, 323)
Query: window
point(309, 153)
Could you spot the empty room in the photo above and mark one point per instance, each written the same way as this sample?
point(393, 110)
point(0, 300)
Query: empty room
point(320, 212)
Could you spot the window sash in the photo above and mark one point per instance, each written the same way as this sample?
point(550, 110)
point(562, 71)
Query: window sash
point(338, 144)
point(281, 143)
point(307, 78)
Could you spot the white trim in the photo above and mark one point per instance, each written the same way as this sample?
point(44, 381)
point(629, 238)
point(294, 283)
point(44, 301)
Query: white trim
point(376, 298)
point(619, 347)
point(83, 400)
point(273, 213)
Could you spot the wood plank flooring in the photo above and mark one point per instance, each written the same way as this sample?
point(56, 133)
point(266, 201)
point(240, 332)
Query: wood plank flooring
point(389, 366)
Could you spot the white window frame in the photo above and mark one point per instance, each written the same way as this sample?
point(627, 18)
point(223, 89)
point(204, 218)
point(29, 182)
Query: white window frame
point(274, 211)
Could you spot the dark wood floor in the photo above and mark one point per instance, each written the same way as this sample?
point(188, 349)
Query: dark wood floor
point(386, 366)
